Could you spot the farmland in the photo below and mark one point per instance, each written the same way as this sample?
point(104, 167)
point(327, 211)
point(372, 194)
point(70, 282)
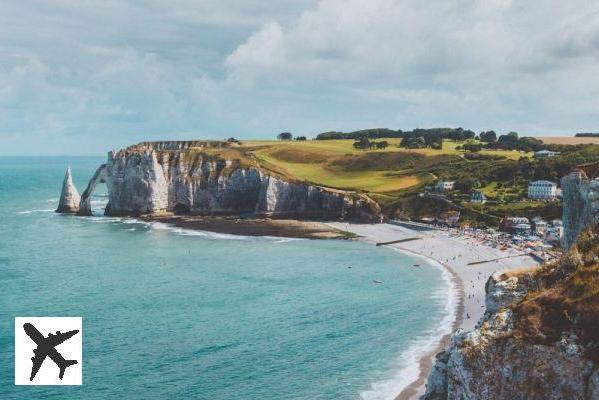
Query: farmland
point(569, 140)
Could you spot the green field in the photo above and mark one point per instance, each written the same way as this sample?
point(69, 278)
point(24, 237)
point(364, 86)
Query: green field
point(395, 177)
point(318, 162)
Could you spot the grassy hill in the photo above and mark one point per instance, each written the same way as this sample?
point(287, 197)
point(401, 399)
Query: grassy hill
point(395, 176)
point(336, 163)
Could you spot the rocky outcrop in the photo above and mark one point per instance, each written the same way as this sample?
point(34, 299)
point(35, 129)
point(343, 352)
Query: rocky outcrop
point(189, 178)
point(502, 289)
point(581, 204)
point(69, 197)
point(494, 362)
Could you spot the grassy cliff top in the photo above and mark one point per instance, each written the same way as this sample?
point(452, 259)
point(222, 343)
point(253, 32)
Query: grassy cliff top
point(566, 299)
point(337, 164)
point(332, 163)
point(395, 176)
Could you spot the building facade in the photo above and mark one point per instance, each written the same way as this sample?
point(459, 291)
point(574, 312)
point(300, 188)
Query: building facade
point(546, 154)
point(542, 190)
point(477, 197)
point(444, 186)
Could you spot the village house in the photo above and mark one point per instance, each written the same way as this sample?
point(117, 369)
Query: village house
point(546, 154)
point(539, 226)
point(515, 225)
point(477, 197)
point(444, 186)
point(542, 190)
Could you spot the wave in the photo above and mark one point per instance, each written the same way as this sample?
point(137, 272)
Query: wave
point(408, 363)
point(161, 226)
point(279, 239)
point(36, 211)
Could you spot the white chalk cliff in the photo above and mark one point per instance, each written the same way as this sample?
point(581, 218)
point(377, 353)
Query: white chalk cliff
point(69, 197)
point(495, 362)
point(186, 178)
point(581, 202)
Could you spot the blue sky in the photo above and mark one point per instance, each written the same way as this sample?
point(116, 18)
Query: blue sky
point(84, 77)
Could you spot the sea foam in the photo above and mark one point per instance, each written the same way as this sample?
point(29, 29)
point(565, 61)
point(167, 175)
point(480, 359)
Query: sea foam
point(407, 365)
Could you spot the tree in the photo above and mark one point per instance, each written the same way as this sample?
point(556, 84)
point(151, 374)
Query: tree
point(507, 142)
point(300, 138)
point(438, 145)
point(382, 144)
point(413, 143)
point(488, 136)
point(284, 136)
point(466, 184)
point(472, 147)
point(362, 143)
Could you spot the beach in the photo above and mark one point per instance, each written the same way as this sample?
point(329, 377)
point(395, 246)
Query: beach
point(231, 225)
point(455, 253)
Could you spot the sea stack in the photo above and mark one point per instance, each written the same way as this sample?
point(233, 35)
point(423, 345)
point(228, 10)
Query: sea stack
point(69, 197)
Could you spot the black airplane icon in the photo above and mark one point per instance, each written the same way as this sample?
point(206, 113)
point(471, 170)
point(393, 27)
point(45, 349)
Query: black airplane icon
point(46, 347)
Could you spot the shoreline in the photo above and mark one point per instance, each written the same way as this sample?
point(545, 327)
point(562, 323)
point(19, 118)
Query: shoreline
point(468, 280)
point(426, 361)
point(286, 228)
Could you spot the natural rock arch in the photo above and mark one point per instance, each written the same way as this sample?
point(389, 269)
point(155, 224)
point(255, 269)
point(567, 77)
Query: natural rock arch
point(100, 176)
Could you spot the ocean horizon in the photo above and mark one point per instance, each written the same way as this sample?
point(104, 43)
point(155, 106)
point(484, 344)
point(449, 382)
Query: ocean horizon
point(169, 312)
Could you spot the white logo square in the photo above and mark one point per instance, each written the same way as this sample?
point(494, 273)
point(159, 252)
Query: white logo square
point(48, 350)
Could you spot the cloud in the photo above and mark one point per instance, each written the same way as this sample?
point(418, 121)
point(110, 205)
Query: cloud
point(493, 64)
point(83, 77)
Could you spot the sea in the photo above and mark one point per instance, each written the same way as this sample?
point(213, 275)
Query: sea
point(170, 313)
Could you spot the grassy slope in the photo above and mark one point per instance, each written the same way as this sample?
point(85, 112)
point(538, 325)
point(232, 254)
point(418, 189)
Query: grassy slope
point(318, 162)
point(393, 176)
point(567, 299)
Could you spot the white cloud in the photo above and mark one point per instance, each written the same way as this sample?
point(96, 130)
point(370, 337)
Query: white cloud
point(93, 76)
point(496, 64)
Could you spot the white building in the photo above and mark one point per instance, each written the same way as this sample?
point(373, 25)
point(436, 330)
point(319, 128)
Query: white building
point(543, 190)
point(554, 234)
point(477, 197)
point(518, 220)
point(546, 154)
point(540, 226)
point(444, 186)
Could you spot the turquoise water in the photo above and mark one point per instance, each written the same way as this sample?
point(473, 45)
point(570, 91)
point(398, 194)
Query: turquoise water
point(169, 313)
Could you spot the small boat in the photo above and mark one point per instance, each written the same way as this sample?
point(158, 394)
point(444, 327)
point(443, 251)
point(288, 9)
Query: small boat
point(416, 265)
point(375, 281)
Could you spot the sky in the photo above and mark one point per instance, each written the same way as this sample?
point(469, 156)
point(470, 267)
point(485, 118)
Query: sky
point(81, 77)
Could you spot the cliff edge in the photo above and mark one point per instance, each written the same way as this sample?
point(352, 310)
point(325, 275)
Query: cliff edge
point(539, 337)
point(214, 178)
point(581, 201)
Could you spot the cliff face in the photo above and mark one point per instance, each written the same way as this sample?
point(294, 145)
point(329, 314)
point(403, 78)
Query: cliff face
point(189, 177)
point(581, 204)
point(538, 339)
